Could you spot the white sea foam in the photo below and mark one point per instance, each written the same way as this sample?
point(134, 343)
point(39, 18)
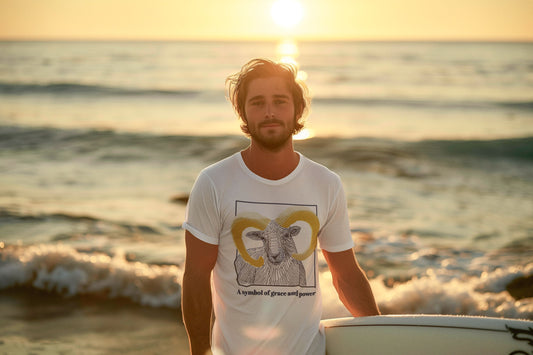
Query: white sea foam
point(62, 269)
point(441, 294)
point(497, 280)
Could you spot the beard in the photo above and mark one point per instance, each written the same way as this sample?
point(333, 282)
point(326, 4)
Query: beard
point(271, 139)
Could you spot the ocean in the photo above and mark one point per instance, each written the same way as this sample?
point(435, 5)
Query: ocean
point(100, 143)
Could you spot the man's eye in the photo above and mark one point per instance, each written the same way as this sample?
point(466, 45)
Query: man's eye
point(257, 103)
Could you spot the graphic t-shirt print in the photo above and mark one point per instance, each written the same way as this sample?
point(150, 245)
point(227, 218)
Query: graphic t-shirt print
point(275, 251)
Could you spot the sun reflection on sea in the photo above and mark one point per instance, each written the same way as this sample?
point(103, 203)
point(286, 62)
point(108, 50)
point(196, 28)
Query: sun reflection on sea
point(288, 13)
point(287, 48)
point(287, 51)
point(305, 133)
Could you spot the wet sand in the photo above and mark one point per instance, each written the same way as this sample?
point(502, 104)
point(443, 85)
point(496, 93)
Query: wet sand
point(34, 322)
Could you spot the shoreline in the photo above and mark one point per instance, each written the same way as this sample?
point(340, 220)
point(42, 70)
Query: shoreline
point(37, 322)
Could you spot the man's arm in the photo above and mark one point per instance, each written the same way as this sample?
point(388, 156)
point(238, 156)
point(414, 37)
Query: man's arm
point(196, 303)
point(351, 283)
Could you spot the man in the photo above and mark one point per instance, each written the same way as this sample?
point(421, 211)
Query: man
point(254, 221)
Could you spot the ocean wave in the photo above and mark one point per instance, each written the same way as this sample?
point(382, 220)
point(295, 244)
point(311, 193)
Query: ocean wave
point(94, 225)
point(417, 159)
point(63, 270)
point(437, 293)
point(108, 145)
point(424, 103)
point(388, 154)
point(67, 88)
point(516, 148)
point(96, 90)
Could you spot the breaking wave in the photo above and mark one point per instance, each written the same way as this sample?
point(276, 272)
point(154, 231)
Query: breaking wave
point(433, 293)
point(63, 270)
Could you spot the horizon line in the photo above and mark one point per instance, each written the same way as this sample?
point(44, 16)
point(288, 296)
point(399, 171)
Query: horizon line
point(265, 39)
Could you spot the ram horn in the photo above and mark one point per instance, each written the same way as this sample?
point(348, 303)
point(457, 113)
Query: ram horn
point(238, 227)
point(306, 216)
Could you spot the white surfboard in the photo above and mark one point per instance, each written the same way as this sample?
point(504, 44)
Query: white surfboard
point(428, 335)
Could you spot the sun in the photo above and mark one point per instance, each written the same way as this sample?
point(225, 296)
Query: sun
point(287, 13)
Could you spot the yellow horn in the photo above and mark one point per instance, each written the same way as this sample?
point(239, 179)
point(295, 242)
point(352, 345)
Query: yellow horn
point(239, 225)
point(308, 217)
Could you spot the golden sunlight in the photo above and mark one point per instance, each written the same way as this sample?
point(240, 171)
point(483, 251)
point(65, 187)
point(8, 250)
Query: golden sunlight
point(287, 51)
point(305, 133)
point(287, 13)
point(287, 48)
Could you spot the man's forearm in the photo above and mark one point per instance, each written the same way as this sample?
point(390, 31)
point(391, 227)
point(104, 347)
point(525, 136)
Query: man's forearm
point(196, 308)
point(351, 284)
point(356, 295)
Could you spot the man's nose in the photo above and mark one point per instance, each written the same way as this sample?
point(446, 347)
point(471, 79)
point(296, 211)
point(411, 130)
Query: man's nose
point(269, 112)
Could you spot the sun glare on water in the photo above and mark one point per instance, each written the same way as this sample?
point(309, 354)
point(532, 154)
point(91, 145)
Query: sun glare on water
point(287, 13)
point(304, 134)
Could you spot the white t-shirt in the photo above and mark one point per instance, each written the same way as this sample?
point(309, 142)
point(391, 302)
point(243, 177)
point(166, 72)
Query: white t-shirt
point(266, 293)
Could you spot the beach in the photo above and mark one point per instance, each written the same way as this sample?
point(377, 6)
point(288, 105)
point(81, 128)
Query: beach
point(101, 142)
point(35, 322)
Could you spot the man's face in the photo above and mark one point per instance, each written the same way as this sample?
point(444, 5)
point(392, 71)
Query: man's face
point(270, 114)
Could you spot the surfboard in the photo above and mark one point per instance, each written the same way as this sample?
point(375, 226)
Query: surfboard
point(425, 334)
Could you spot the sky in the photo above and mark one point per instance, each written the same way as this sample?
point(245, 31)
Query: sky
point(251, 20)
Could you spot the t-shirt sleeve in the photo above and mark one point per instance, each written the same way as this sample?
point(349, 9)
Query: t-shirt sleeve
point(202, 214)
point(335, 235)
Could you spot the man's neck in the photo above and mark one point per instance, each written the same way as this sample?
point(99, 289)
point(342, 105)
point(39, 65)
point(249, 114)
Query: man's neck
point(271, 164)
